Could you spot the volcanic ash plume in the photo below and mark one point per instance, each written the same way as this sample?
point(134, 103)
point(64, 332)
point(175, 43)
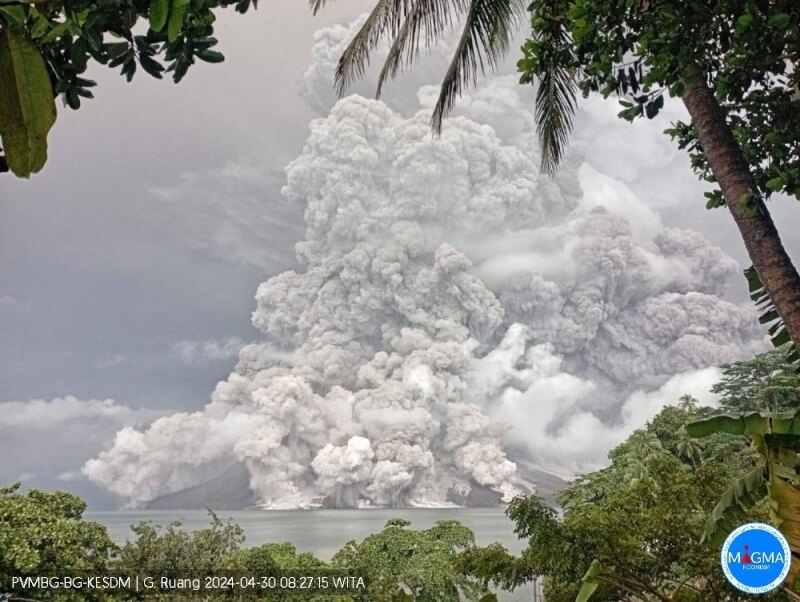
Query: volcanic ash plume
point(448, 291)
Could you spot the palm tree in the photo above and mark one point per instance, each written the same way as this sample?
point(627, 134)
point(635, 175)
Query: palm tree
point(690, 448)
point(687, 403)
point(636, 471)
point(488, 26)
point(645, 445)
point(487, 31)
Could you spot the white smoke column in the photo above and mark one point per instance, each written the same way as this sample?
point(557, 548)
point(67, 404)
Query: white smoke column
point(448, 291)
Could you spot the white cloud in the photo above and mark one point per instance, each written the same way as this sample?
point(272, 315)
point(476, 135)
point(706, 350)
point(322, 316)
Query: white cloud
point(192, 352)
point(69, 476)
point(8, 301)
point(110, 362)
point(51, 439)
point(68, 412)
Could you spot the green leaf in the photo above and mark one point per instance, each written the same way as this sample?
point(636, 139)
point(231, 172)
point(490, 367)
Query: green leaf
point(176, 16)
point(752, 423)
point(488, 598)
point(59, 30)
point(743, 23)
point(27, 105)
point(556, 97)
point(159, 10)
point(151, 66)
point(715, 199)
point(589, 582)
point(780, 21)
point(742, 495)
point(40, 24)
point(775, 183)
point(15, 15)
point(117, 49)
point(210, 56)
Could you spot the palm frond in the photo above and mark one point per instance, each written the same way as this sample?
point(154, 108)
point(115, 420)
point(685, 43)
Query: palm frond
point(556, 101)
point(769, 317)
point(316, 5)
point(488, 29)
point(432, 17)
point(385, 19)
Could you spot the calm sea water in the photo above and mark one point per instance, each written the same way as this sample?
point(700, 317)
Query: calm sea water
point(323, 532)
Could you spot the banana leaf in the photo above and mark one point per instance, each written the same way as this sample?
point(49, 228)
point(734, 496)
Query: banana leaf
point(750, 423)
point(589, 581)
point(733, 505)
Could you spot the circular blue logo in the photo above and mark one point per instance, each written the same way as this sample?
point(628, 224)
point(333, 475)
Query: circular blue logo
point(756, 558)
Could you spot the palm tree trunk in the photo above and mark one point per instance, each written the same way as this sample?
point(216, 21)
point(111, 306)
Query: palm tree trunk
point(772, 263)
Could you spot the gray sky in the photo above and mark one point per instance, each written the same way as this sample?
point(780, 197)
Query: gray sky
point(101, 277)
point(128, 266)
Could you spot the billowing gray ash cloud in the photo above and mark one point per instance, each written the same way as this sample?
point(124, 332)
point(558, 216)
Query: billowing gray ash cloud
point(455, 309)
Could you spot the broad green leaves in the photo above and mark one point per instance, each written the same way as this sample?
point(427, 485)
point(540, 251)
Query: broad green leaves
point(45, 50)
point(752, 423)
point(744, 493)
point(170, 13)
point(176, 16)
point(777, 438)
point(27, 107)
point(159, 10)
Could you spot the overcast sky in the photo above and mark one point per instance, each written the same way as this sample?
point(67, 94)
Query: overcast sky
point(128, 266)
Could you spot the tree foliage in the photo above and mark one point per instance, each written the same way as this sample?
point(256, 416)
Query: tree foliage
point(421, 563)
point(173, 552)
point(640, 51)
point(46, 46)
point(648, 526)
point(633, 530)
point(43, 533)
point(641, 540)
point(767, 382)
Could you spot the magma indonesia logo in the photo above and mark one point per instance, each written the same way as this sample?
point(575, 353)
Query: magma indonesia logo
point(756, 558)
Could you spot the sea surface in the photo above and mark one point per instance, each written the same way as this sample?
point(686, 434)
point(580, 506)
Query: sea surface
point(324, 532)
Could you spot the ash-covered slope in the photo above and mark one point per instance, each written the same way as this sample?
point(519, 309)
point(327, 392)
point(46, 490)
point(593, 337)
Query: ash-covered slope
point(230, 490)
